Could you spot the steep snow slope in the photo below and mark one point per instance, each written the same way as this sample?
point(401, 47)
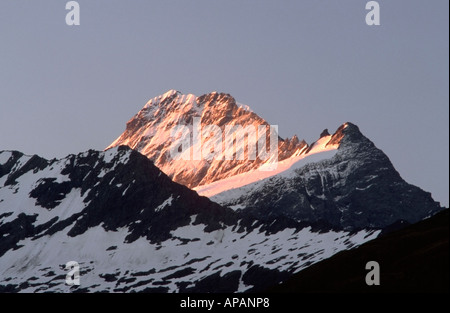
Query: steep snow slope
point(284, 168)
point(185, 262)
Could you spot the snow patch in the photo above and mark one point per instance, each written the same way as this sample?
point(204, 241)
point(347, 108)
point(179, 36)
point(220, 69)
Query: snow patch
point(167, 202)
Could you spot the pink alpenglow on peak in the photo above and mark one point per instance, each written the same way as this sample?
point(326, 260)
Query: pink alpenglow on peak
point(197, 141)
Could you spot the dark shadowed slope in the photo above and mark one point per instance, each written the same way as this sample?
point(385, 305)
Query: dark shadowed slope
point(414, 259)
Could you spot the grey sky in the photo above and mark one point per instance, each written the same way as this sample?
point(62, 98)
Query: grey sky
point(303, 65)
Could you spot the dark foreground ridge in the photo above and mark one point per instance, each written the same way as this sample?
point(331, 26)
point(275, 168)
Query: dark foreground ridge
point(414, 259)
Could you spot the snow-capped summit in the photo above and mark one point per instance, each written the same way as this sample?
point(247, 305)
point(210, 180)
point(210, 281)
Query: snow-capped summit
point(157, 130)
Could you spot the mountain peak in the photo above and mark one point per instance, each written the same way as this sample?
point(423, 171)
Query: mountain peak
point(215, 98)
point(324, 133)
point(169, 122)
point(162, 98)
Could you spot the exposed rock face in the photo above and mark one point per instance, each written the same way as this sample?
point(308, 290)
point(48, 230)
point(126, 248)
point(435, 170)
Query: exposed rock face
point(150, 132)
